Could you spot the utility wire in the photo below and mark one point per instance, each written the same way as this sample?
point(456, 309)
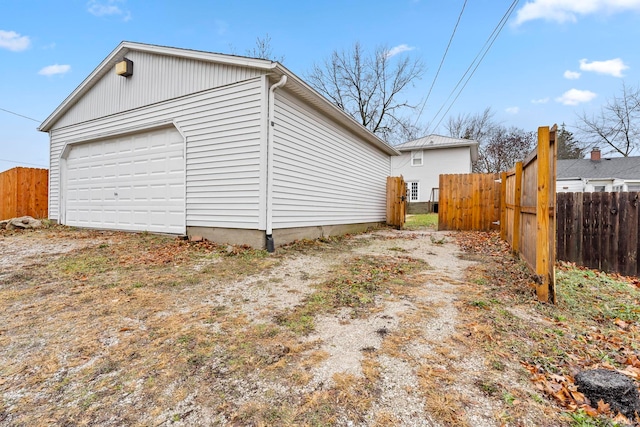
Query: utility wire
point(16, 161)
point(441, 62)
point(22, 163)
point(20, 115)
point(481, 54)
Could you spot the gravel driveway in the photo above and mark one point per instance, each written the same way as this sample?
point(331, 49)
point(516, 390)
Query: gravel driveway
point(77, 351)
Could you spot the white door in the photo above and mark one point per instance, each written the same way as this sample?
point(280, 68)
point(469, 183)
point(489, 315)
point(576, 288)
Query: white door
point(133, 182)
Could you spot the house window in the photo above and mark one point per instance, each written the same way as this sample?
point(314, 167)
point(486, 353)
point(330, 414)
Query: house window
point(599, 188)
point(416, 158)
point(413, 191)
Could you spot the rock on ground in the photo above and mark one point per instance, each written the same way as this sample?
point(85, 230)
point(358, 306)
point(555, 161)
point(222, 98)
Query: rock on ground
point(612, 387)
point(21, 223)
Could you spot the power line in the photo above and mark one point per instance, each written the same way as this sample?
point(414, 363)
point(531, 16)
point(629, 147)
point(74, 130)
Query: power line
point(441, 62)
point(481, 54)
point(20, 115)
point(22, 163)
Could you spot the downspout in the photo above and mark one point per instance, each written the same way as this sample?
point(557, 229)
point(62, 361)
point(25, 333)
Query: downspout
point(270, 125)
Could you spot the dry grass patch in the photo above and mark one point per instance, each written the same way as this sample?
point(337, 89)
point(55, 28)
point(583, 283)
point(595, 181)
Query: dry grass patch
point(354, 284)
point(385, 419)
point(125, 320)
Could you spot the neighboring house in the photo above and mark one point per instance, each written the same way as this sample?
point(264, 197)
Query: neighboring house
point(423, 160)
point(598, 174)
point(230, 148)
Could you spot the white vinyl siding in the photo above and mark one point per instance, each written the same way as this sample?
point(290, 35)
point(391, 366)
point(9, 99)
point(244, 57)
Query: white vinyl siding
point(322, 174)
point(222, 131)
point(569, 186)
point(155, 78)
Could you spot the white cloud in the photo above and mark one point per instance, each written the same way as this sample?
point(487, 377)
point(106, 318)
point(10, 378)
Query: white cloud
point(399, 49)
point(221, 26)
point(51, 70)
point(109, 8)
point(512, 110)
point(612, 67)
point(575, 97)
point(14, 41)
point(569, 10)
point(571, 75)
point(540, 101)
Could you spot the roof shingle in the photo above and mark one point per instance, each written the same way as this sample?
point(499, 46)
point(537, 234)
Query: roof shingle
point(616, 167)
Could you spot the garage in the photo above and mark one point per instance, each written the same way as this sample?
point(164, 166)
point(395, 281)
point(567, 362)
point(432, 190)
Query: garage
point(230, 149)
point(133, 182)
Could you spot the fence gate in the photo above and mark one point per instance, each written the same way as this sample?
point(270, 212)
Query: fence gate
point(396, 201)
point(469, 202)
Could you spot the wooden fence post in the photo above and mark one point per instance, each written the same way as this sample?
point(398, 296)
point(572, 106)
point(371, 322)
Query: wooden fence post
point(517, 210)
point(542, 216)
point(503, 206)
point(551, 234)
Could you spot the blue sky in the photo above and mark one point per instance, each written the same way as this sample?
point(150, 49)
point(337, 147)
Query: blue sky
point(552, 60)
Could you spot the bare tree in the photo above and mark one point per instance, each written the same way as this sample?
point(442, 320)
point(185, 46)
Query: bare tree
point(617, 126)
point(503, 148)
point(472, 126)
point(499, 148)
point(369, 87)
point(263, 50)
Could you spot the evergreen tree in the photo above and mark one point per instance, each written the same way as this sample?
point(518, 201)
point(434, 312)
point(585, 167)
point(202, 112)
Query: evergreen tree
point(568, 147)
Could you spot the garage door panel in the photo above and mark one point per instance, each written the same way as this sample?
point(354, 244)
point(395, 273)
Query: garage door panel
point(133, 183)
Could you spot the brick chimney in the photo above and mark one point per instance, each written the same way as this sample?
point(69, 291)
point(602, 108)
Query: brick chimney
point(595, 155)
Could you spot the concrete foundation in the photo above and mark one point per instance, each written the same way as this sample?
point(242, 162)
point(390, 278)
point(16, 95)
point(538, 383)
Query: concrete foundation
point(234, 236)
point(422, 207)
point(283, 236)
point(257, 238)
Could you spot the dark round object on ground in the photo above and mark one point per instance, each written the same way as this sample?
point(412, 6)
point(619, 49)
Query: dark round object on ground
point(612, 387)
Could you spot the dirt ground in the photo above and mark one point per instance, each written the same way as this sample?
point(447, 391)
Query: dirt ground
point(110, 329)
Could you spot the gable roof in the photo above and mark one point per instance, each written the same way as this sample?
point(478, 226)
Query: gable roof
point(274, 69)
point(614, 167)
point(433, 141)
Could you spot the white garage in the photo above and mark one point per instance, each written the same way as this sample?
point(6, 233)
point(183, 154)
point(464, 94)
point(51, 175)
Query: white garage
point(233, 149)
point(133, 182)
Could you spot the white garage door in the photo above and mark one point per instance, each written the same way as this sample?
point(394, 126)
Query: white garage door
point(133, 182)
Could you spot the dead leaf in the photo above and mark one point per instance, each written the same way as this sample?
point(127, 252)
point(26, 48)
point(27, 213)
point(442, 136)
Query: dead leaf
point(589, 410)
point(621, 419)
point(558, 378)
point(578, 397)
point(604, 408)
point(621, 323)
